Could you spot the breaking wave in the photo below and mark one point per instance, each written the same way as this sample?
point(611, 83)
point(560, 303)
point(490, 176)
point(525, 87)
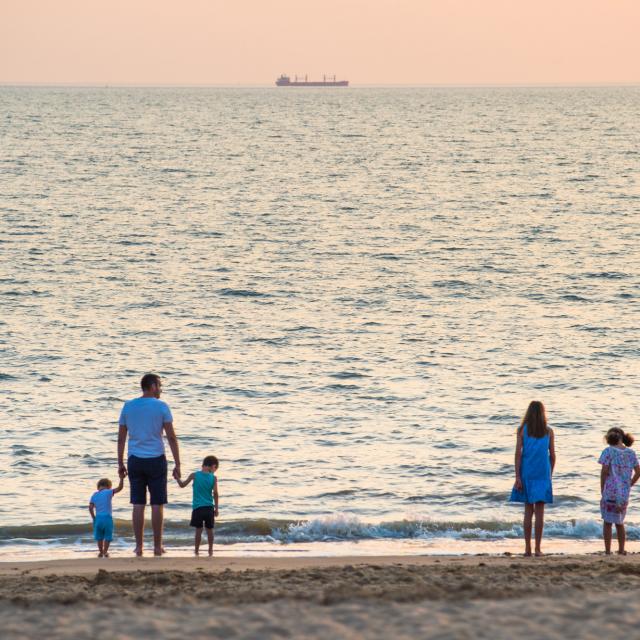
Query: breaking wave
point(337, 527)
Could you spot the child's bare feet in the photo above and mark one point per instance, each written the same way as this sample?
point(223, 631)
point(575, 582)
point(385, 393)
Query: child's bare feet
point(106, 555)
point(138, 551)
point(539, 553)
point(527, 554)
point(196, 553)
point(158, 551)
point(622, 552)
point(210, 552)
point(100, 555)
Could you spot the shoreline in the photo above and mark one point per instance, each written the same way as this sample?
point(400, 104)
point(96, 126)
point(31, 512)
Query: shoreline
point(85, 566)
point(122, 548)
point(217, 564)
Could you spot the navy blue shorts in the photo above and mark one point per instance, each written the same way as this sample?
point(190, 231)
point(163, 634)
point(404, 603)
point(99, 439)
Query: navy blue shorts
point(202, 516)
point(148, 473)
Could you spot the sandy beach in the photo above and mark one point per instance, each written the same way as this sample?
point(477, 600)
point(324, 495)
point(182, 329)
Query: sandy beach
point(381, 597)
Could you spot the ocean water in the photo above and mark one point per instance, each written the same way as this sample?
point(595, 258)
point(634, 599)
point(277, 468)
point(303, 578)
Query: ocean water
point(351, 295)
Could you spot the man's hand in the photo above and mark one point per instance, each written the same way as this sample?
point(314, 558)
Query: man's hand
point(216, 512)
point(176, 472)
point(122, 471)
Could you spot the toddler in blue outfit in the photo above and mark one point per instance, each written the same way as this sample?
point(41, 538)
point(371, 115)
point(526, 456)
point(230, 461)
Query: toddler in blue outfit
point(100, 510)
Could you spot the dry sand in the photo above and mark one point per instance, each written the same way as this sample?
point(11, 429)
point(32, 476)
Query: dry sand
point(386, 597)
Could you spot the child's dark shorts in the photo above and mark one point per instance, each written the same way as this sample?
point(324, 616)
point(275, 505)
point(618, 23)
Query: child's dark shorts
point(202, 516)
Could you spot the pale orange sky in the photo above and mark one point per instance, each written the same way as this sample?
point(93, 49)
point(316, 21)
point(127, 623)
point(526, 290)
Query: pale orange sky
point(367, 42)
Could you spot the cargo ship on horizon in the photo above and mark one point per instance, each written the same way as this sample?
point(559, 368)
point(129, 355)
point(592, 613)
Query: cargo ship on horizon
point(285, 81)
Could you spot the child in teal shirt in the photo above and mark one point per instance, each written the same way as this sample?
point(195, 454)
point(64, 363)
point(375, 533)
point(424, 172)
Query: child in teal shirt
point(205, 500)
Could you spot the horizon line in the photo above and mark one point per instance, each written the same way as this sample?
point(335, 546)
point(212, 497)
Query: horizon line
point(452, 85)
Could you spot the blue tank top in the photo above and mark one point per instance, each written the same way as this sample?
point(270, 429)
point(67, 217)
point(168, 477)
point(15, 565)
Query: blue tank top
point(535, 470)
point(203, 489)
point(535, 455)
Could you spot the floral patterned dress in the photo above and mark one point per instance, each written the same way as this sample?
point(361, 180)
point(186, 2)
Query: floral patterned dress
point(615, 496)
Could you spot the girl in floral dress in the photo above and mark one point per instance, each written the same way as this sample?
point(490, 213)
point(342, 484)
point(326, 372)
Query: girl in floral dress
point(619, 464)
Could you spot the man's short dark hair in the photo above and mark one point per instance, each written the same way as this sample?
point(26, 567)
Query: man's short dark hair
point(210, 461)
point(149, 379)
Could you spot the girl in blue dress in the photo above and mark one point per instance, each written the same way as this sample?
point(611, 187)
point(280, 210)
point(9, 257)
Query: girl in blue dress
point(535, 460)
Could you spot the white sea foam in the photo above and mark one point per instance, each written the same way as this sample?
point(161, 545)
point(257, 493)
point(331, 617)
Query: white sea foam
point(340, 527)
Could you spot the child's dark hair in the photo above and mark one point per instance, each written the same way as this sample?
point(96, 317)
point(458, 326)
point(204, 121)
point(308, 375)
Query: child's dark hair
point(104, 483)
point(616, 435)
point(210, 461)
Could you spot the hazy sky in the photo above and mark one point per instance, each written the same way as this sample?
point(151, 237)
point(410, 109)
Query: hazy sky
point(374, 41)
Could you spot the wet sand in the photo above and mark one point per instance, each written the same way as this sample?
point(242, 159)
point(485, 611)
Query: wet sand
point(359, 597)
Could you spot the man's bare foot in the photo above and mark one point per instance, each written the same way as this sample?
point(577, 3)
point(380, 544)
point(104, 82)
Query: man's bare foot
point(158, 551)
point(196, 553)
point(138, 551)
point(210, 552)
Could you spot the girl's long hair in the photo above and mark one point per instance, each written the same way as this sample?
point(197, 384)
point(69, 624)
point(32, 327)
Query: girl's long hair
point(536, 420)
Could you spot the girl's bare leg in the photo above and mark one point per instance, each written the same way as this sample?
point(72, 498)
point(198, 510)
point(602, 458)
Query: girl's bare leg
point(198, 539)
point(539, 509)
point(622, 538)
point(528, 515)
point(100, 548)
point(607, 534)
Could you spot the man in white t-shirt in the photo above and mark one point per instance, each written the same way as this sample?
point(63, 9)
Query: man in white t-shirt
point(144, 420)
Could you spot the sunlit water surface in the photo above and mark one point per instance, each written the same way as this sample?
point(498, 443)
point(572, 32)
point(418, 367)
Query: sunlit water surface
point(351, 295)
